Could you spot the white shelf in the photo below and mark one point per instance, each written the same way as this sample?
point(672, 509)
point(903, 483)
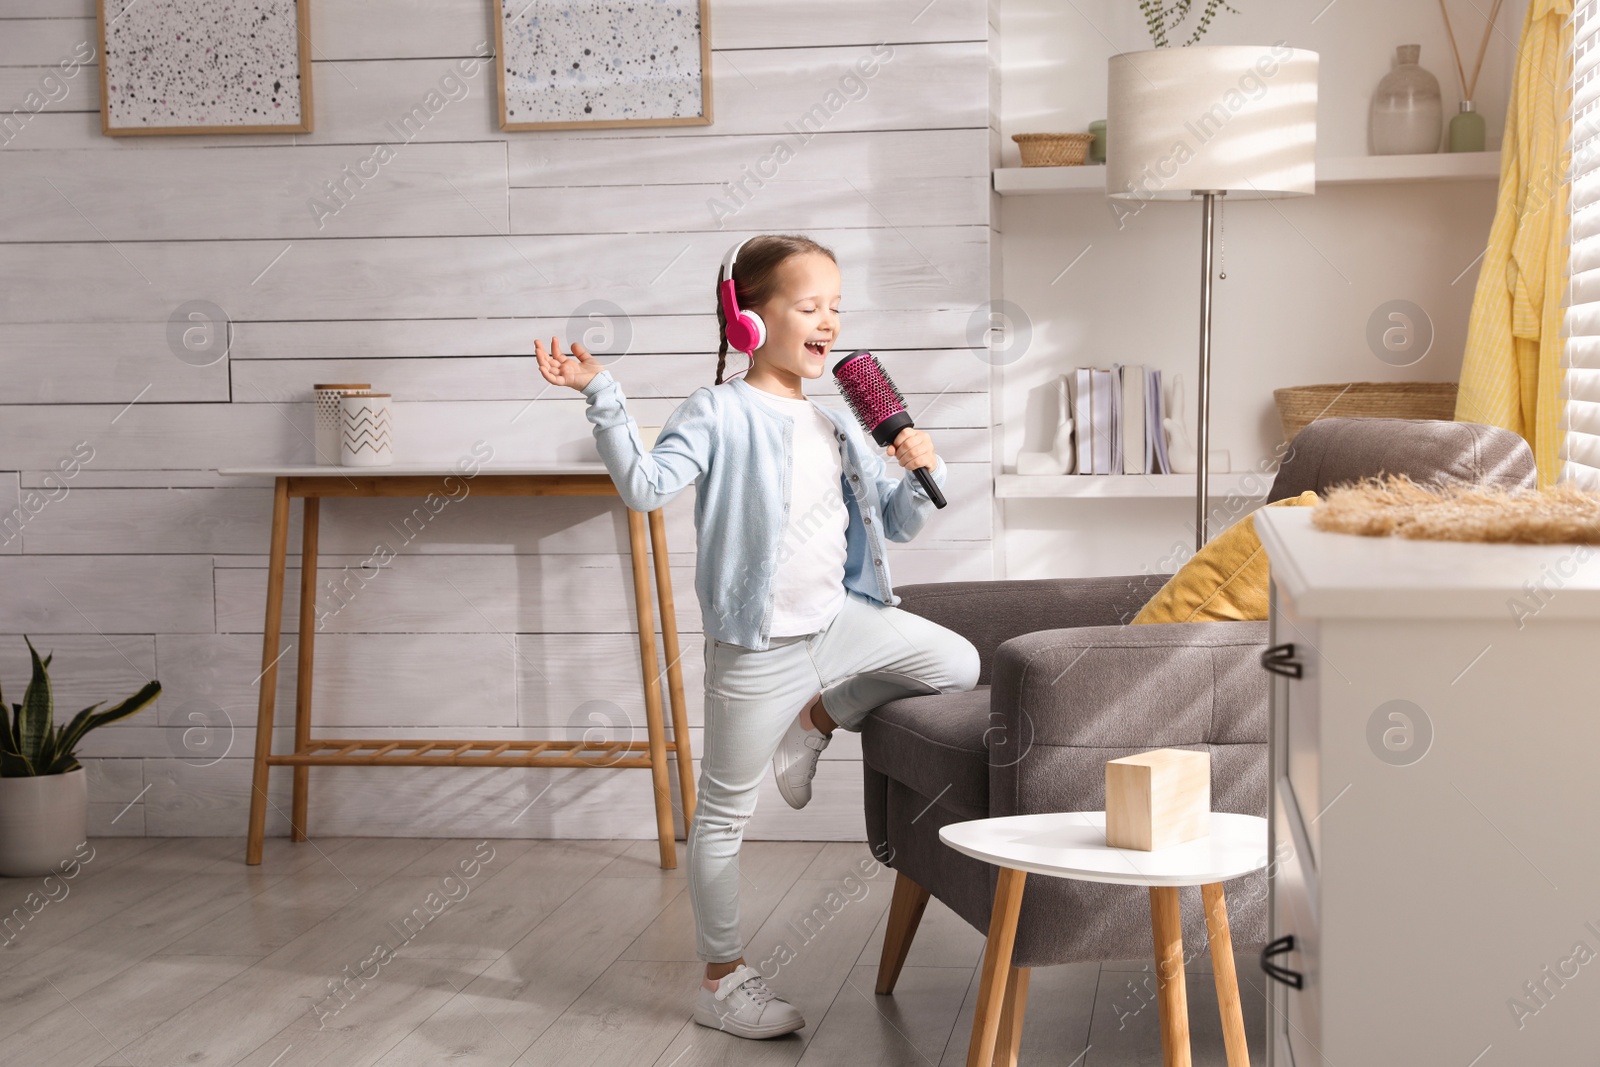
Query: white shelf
point(1041, 486)
point(1437, 167)
point(1025, 181)
point(1341, 170)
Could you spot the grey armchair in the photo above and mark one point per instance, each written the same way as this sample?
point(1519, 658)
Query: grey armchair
point(1065, 685)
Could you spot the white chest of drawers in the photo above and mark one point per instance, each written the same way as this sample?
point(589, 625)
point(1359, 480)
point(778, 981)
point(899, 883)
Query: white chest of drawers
point(1435, 819)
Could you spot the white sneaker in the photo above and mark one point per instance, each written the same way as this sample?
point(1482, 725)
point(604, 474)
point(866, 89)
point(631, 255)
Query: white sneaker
point(795, 762)
point(745, 1007)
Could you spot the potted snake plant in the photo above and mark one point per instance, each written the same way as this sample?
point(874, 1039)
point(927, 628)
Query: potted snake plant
point(44, 793)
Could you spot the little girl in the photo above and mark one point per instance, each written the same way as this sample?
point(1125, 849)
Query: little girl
point(792, 506)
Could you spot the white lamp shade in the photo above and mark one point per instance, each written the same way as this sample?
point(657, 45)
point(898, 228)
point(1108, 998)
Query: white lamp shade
point(1235, 119)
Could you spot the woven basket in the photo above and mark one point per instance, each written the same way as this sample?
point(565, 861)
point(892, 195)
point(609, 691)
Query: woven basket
point(1053, 149)
point(1301, 404)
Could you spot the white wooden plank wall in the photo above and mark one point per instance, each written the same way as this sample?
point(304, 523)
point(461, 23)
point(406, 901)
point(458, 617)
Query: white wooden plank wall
point(499, 618)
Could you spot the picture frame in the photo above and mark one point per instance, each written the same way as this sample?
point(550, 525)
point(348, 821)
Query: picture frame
point(556, 105)
point(121, 117)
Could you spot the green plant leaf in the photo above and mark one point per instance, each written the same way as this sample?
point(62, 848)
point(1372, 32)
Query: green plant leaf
point(76, 728)
point(1159, 18)
point(38, 709)
point(47, 748)
point(1155, 20)
point(86, 720)
point(14, 765)
point(63, 763)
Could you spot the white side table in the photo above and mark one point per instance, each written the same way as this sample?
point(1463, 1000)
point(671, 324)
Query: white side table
point(1073, 845)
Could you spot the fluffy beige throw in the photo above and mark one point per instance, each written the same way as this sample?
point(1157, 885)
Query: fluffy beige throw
point(1397, 506)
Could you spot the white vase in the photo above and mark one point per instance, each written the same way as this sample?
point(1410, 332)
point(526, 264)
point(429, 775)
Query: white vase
point(366, 430)
point(43, 819)
point(1407, 113)
point(328, 399)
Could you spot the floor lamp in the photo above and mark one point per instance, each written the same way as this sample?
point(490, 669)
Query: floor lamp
point(1226, 120)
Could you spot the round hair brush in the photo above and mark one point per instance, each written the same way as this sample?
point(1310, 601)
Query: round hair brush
point(878, 406)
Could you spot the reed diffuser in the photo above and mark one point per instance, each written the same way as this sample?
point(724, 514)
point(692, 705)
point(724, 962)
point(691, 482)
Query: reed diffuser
point(1467, 133)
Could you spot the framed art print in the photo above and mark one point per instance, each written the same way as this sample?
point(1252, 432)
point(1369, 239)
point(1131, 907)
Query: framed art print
point(571, 64)
point(204, 66)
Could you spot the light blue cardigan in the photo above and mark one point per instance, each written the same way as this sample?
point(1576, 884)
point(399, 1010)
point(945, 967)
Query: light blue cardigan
point(737, 448)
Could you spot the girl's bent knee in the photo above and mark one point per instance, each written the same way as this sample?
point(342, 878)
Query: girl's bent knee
point(965, 667)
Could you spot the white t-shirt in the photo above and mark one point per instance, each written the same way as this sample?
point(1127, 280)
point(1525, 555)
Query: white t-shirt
point(809, 584)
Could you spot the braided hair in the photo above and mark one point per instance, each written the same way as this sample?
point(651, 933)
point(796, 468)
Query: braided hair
point(755, 277)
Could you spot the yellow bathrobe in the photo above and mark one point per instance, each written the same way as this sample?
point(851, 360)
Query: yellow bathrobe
point(1511, 373)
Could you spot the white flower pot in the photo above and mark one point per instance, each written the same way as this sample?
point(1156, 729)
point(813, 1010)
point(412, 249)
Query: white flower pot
point(43, 819)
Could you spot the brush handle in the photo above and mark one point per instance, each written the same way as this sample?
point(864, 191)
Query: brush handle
point(886, 431)
point(927, 483)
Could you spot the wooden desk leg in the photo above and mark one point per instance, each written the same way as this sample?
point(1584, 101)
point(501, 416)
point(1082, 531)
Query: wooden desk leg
point(269, 671)
point(638, 546)
point(996, 967)
point(1233, 1037)
point(310, 513)
point(1166, 924)
point(669, 641)
point(1008, 1046)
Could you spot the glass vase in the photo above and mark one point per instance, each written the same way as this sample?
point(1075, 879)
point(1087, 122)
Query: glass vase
point(1407, 113)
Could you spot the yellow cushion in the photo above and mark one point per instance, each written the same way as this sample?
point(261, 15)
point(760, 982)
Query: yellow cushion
point(1226, 581)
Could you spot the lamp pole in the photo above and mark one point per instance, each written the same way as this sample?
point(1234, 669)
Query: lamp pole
point(1203, 433)
point(1266, 151)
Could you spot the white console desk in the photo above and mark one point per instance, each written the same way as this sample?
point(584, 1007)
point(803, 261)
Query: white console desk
point(1435, 813)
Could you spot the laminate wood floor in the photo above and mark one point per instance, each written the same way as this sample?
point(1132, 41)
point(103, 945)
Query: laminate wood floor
point(393, 952)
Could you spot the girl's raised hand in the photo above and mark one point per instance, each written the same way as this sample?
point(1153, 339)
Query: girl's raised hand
point(557, 369)
point(913, 449)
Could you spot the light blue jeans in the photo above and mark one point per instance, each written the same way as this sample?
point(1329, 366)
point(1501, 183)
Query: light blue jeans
point(866, 656)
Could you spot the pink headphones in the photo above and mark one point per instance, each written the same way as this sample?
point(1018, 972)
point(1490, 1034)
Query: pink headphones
point(746, 331)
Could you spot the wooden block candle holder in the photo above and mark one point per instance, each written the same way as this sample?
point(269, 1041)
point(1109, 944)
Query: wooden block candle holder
point(1156, 799)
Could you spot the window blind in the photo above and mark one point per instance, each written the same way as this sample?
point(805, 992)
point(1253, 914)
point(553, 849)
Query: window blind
point(1580, 450)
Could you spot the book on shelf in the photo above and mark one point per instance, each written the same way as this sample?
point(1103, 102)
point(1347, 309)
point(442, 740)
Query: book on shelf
point(1117, 418)
point(1130, 418)
point(1156, 410)
point(1102, 419)
point(1078, 393)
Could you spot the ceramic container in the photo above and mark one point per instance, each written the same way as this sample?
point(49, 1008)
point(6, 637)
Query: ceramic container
point(328, 397)
point(366, 430)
